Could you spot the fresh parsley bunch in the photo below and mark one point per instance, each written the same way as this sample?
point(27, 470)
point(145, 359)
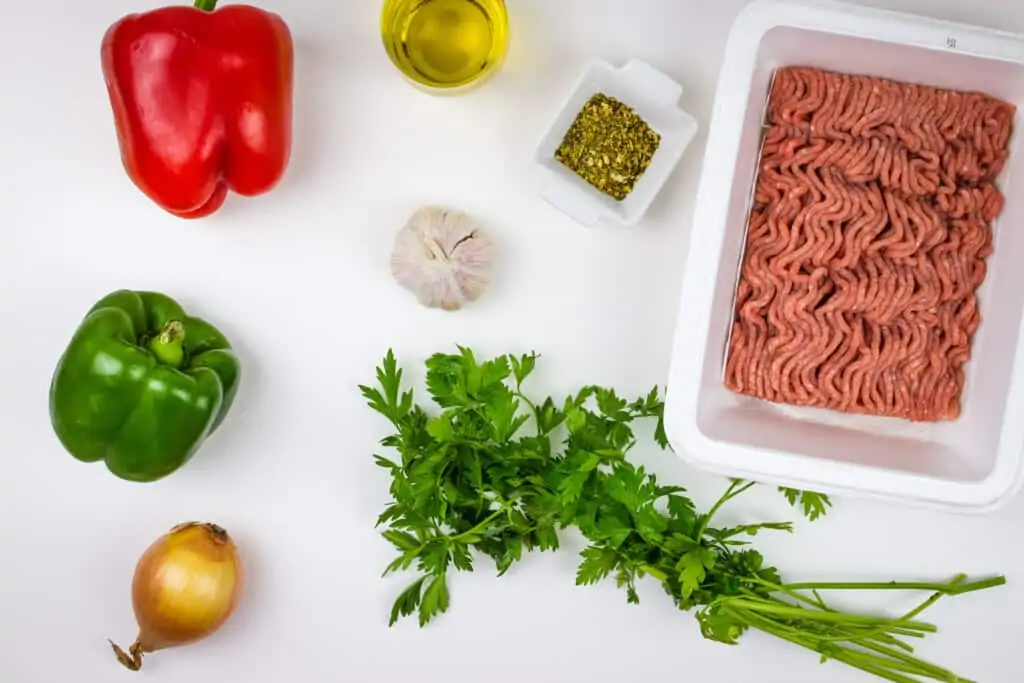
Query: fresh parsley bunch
point(473, 481)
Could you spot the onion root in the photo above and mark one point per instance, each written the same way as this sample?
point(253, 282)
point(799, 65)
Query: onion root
point(133, 658)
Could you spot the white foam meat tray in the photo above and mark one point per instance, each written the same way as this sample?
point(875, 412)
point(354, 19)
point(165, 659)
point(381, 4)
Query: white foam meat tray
point(972, 464)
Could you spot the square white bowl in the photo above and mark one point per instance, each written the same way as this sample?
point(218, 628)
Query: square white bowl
point(972, 464)
point(654, 97)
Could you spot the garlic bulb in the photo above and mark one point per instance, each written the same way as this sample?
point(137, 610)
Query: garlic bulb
point(443, 257)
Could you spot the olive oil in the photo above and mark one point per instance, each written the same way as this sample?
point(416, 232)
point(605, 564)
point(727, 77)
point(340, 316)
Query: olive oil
point(446, 45)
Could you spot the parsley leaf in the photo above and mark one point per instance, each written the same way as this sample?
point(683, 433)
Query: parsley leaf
point(522, 367)
point(387, 401)
point(407, 601)
point(692, 572)
point(814, 505)
point(435, 599)
point(597, 563)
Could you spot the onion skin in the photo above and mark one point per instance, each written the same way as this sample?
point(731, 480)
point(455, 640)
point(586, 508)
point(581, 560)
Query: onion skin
point(186, 586)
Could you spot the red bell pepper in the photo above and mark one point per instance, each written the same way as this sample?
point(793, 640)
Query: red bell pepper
point(202, 102)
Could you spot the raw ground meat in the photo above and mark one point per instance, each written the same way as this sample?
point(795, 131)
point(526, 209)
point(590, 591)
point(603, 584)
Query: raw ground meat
point(866, 244)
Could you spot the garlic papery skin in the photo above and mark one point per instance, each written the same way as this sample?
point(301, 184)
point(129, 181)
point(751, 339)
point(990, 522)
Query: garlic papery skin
point(443, 257)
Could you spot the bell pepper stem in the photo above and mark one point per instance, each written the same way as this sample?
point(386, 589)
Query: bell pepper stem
point(168, 346)
point(205, 5)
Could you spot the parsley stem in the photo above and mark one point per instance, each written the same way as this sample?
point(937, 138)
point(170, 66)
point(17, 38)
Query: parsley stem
point(950, 588)
point(894, 659)
point(533, 410)
point(886, 639)
point(913, 667)
point(525, 399)
point(880, 630)
point(816, 602)
point(849, 657)
point(861, 660)
point(783, 610)
point(735, 488)
point(479, 527)
point(906, 617)
point(889, 638)
point(937, 672)
point(900, 631)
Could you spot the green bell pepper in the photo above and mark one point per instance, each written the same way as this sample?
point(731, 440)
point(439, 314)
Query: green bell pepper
point(141, 385)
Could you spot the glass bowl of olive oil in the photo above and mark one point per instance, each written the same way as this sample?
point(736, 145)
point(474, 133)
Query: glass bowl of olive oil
point(445, 46)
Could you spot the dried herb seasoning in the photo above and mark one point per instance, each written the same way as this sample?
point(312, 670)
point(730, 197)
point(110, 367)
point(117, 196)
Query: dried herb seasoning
point(608, 145)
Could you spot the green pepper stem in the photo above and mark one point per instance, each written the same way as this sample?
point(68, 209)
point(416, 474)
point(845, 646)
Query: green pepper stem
point(168, 346)
point(205, 5)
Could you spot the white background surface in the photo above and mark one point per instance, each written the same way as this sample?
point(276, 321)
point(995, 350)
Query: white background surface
point(299, 281)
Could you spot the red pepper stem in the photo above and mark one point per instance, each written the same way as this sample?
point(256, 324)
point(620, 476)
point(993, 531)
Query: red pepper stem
point(205, 5)
point(168, 346)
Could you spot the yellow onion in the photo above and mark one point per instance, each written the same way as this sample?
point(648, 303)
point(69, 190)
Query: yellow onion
point(186, 585)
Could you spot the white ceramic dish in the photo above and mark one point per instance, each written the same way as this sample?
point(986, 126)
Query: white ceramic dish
point(973, 464)
point(655, 97)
